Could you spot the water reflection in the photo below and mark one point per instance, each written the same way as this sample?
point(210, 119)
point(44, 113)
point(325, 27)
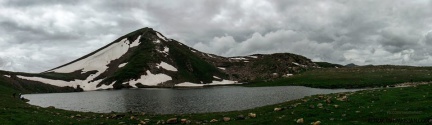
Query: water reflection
point(167, 101)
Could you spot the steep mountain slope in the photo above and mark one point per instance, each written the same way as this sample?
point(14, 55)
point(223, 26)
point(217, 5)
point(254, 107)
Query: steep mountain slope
point(146, 58)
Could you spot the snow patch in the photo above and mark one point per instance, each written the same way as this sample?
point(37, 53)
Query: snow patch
point(216, 77)
point(157, 41)
point(194, 51)
point(253, 57)
point(136, 42)
point(222, 68)
point(122, 65)
point(287, 75)
point(295, 63)
point(165, 51)
point(238, 58)
point(160, 36)
point(223, 82)
point(189, 84)
point(97, 61)
point(103, 86)
point(7, 76)
point(59, 83)
point(209, 55)
point(166, 66)
point(150, 79)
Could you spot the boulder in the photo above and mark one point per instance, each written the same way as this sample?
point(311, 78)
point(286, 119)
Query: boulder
point(226, 119)
point(252, 115)
point(343, 98)
point(213, 121)
point(277, 109)
point(183, 121)
point(300, 121)
point(316, 123)
point(172, 121)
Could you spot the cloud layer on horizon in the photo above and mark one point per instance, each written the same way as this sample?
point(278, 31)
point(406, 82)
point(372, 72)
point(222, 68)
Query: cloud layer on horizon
point(38, 35)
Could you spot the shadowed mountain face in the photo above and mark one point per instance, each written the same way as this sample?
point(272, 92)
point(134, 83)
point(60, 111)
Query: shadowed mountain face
point(146, 58)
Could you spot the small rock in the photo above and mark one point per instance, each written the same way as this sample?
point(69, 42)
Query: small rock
point(132, 117)
point(188, 122)
point(160, 122)
point(277, 109)
point(300, 121)
point(226, 119)
point(240, 117)
point(321, 97)
point(311, 106)
point(317, 123)
point(336, 106)
point(343, 98)
point(172, 121)
point(143, 122)
point(320, 105)
point(78, 116)
point(252, 115)
point(213, 121)
point(328, 101)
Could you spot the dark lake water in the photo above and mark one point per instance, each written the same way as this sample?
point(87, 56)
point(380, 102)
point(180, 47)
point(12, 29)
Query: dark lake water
point(176, 101)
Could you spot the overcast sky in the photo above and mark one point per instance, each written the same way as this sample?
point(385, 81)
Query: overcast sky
point(37, 35)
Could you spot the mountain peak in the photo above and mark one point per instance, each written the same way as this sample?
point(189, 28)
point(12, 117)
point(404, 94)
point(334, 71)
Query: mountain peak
point(146, 58)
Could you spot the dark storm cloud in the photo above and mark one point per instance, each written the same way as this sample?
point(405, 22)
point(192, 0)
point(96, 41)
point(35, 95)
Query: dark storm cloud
point(50, 32)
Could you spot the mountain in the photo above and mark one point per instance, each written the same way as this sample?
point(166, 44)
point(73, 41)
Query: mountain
point(351, 65)
point(146, 58)
point(328, 65)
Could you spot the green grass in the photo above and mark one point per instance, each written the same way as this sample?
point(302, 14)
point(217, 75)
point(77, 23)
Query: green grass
point(357, 77)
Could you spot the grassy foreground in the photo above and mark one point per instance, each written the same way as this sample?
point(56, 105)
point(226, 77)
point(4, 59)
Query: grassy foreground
point(411, 105)
point(355, 77)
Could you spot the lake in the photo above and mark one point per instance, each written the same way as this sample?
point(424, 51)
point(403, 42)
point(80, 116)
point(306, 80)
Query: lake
point(177, 100)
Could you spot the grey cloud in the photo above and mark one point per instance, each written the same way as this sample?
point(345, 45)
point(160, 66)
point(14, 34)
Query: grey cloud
point(50, 32)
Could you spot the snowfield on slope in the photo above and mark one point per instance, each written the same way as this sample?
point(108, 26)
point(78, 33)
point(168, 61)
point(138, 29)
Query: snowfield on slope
point(150, 79)
point(96, 62)
point(100, 59)
point(167, 66)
